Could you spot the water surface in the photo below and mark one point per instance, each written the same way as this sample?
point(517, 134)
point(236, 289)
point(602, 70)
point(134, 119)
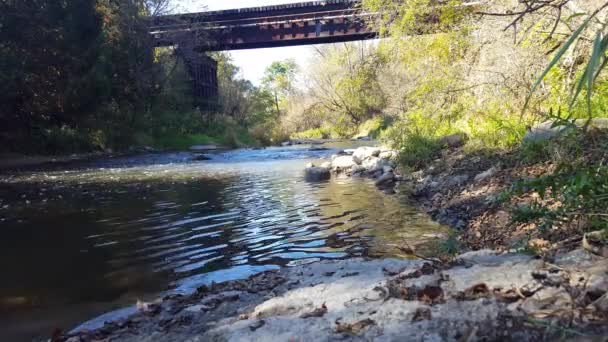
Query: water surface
point(82, 239)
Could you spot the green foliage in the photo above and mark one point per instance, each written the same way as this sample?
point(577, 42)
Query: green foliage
point(596, 63)
point(451, 246)
point(278, 80)
point(576, 191)
point(373, 128)
point(220, 130)
point(313, 133)
point(416, 148)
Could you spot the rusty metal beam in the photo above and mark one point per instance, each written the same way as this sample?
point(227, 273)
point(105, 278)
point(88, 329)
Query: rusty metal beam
point(272, 26)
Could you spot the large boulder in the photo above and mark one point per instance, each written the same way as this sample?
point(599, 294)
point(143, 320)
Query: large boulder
point(390, 155)
point(342, 163)
point(365, 152)
point(375, 164)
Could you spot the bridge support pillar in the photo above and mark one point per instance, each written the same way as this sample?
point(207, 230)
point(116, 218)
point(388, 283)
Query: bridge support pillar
point(203, 73)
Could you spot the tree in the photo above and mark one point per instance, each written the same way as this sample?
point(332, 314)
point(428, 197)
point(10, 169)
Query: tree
point(279, 79)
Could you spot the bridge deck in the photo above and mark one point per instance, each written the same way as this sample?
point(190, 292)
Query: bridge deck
point(270, 26)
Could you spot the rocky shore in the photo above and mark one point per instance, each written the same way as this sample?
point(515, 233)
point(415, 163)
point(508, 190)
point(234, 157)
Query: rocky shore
point(481, 295)
point(373, 162)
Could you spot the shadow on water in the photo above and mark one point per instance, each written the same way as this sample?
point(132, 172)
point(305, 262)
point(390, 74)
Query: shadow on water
point(82, 240)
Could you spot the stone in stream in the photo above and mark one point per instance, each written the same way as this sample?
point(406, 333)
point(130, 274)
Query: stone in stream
point(200, 157)
point(386, 178)
point(315, 173)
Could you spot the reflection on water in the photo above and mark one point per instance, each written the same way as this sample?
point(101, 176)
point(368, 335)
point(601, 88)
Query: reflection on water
point(78, 242)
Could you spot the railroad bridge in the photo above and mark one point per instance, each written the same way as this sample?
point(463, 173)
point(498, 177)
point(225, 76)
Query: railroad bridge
point(316, 22)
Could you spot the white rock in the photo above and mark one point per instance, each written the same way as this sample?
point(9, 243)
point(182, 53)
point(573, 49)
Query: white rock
point(342, 163)
point(486, 174)
point(357, 169)
point(365, 152)
point(326, 165)
point(375, 163)
point(390, 155)
point(545, 130)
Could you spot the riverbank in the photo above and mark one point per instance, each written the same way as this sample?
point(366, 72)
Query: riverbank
point(481, 295)
point(557, 292)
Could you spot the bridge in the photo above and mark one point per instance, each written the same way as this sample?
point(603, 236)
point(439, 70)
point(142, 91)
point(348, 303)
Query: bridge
point(316, 22)
point(303, 23)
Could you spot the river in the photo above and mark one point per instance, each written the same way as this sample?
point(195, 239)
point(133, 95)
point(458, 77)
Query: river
point(85, 238)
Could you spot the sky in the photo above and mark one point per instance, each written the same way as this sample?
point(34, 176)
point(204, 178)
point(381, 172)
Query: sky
point(254, 62)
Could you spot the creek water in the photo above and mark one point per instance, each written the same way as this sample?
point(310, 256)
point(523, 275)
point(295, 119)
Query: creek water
point(85, 238)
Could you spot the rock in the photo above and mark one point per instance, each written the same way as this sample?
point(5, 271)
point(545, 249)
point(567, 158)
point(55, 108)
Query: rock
point(387, 177)
point(596, 243)
point(357, 169)
point(545, 130)
point(457, 180)
point(256, 325)
point(342, 163)
point(375, 164)
point(348, 151)
point(387, 168)
point(452, 140)
point(200, 157)
point(365, 152)
point(486, 174)
point(203, 147)
point(318, 149)
point(326, 165)
point(389, 155)
point(316, 174)
point(286, 143)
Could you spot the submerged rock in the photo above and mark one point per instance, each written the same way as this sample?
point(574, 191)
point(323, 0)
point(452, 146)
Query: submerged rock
point(387, 177)
point(200, 157)
point(316, 173)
